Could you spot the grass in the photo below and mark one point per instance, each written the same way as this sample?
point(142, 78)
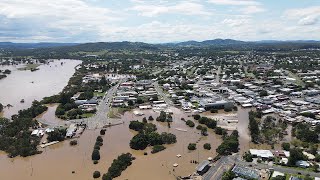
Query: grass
point(29, 67)
point(87, 115)
point(99, 94)
point(117, 112)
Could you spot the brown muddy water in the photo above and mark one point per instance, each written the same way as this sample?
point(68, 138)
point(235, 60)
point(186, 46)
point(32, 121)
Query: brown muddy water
point(50, 79)
point(58, 161)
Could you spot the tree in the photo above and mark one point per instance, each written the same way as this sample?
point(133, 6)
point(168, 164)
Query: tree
point(57, 135)
point(155, 139)
point(139, 142)
point(1, 107)
point(96, 174)
point(248, 157)
point(263, 93)
point(136, 125)
point(162, 117)
point(229, 175)
point(207, 146)
point(168, 138)
point(279, 178)
point(95, 155)
point(286, 146)
point(192, 146)
point(295, 155)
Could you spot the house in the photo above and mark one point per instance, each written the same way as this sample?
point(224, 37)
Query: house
point(264, 154)
point(245, 172)
point(71, 130)
point(203, 167)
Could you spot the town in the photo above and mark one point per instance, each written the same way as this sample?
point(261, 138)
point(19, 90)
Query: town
point(245, 115)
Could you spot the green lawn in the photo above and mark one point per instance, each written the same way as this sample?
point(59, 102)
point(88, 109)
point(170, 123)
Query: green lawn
point(87, 115)
point(99, 94)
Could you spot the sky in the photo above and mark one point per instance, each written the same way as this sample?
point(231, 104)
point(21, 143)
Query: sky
point(158, 21)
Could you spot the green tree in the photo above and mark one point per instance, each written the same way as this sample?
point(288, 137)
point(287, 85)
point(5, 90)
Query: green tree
point(207, 146)
point(295, 155)
point(286, 146)
point(95, 155)
point(139, 142)
point(96, 174)
point(192, 146)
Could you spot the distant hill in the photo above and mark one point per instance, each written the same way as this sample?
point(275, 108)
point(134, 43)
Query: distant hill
point(10, 45)
point(214, 42)
point(94, 47)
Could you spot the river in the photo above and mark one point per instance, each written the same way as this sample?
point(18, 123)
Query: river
point(50, 79)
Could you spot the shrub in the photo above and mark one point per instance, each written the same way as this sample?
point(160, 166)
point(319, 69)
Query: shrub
point(190, 123)
point(96, 174)
point(95, 162)
point(144, 120)
point(199, 127)
point(150, 118)
point(96, 147)
point(157, 148)
point(207, 146)
point(214, 111)
point(192, 146)
point(197, 117)
point(99, 139)
point(102, 131)
point(73, 142)
point(227, 109)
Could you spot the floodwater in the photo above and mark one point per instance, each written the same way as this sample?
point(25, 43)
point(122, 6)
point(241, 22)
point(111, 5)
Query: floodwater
point(50, 79)
point(58, 161)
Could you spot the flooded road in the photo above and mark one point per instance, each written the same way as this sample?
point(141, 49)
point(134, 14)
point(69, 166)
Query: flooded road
point(50, 79)
point(58, 161)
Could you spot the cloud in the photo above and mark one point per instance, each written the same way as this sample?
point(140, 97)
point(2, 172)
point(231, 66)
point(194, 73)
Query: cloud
point(304, 16)
point(252, 9)
point(235, 22)
point(186, 8)
point(235, 2)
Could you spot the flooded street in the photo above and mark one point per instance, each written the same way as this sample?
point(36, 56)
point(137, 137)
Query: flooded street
point(50, 79)
point(64, 159)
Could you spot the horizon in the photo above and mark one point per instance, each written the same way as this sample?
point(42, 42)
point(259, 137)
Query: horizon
point(176, 42)
point(84, 21)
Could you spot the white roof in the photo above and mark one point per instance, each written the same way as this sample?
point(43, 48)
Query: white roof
point(277, 173)
point(261, 153)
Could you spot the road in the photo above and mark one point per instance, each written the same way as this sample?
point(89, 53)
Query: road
point(226, 162)
point(100, 118)
point(161, 93)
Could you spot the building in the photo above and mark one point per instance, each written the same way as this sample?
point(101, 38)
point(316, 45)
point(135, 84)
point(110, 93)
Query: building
point(264, 154)
point(246, 172)
point(71, 130)
point(203, 167)
point(211, 103)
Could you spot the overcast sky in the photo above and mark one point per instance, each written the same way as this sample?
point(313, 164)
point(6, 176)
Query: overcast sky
point(158, 21)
